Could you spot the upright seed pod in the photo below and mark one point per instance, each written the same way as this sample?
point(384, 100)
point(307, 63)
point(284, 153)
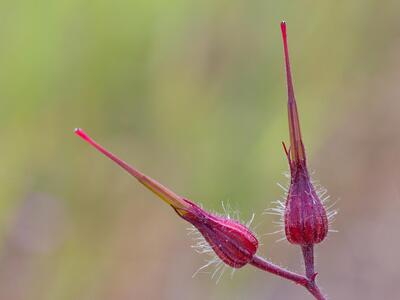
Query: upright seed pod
point(305, 217)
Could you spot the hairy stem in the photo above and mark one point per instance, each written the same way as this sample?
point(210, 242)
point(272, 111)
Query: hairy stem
point(308, 283)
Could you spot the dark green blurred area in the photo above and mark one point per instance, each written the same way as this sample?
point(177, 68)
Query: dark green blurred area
point(193, 94)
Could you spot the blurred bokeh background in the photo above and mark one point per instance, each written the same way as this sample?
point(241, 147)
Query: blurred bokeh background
point(193, 94)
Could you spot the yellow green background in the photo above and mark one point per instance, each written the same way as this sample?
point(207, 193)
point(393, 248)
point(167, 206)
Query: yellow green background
point(193, 94)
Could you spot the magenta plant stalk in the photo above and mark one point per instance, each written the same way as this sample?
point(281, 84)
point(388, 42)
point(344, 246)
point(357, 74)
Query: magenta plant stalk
point(308, 283)
point(234, 244)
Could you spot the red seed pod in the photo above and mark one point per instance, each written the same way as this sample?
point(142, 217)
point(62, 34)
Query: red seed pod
point(233, 242)
point(305, 218)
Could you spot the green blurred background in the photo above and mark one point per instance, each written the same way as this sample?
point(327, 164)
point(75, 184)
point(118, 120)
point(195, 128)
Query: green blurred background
point(193, 94)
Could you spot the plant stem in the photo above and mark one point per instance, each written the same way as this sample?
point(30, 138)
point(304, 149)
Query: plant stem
point(308, 283)
point(308, 254)
point(265, 265)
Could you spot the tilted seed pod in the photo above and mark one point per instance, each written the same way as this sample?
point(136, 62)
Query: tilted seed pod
point(231, 241)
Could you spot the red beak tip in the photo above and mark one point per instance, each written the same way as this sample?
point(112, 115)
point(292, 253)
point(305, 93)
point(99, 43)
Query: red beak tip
point(283, 27)
point(79, 132)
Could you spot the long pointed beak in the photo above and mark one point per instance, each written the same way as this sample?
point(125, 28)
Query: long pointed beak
point(157, 188)
point(297, 151)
